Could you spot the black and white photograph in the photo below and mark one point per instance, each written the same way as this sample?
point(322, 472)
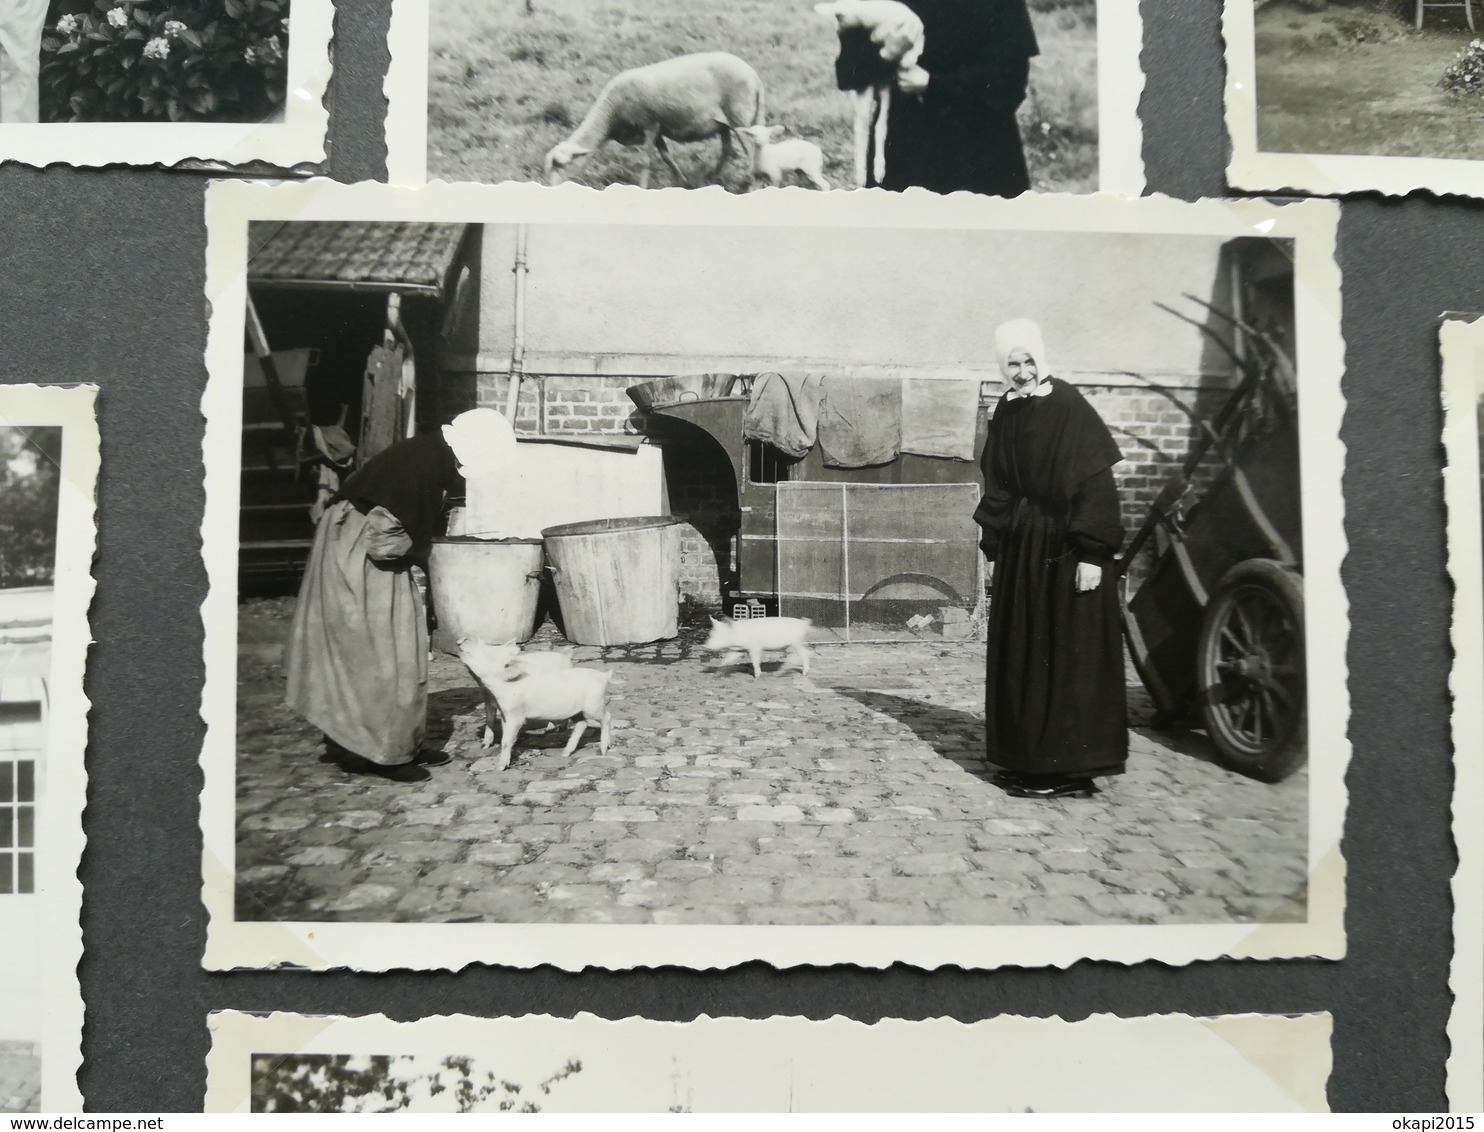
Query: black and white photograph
point(1168, 1063)
point(1335, 96)
point(94, 82)
point(1462, 352)
point(999, 98)
point(45, 555)
point(562, 596)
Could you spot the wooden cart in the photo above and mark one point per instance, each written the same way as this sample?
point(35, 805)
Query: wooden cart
point(1215, 623)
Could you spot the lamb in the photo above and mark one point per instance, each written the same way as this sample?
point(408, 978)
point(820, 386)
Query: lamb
point(776, 160)
point(761, 633)
point(687, 98)
point(879, 40)
point(551, 696)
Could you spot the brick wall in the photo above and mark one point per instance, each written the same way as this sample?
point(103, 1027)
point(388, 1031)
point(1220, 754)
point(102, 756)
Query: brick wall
point(1153, 432)
point(1154, 435)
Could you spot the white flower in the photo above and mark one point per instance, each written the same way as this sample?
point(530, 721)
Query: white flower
point(173, 28)
point(157, 48)
point(67, 25)
point(118, 17)
point(249, 54)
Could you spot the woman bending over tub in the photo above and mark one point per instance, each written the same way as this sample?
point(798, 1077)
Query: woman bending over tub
point(357, 656)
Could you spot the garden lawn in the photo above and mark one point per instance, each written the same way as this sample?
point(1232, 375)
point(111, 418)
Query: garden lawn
point(1352, 80)
point(505, 85)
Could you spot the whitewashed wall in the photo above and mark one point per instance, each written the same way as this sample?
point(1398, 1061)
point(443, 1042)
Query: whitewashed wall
point(643, 300)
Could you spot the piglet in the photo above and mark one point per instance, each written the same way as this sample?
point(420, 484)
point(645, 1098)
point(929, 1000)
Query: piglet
point(553, 696)
point(759, 633)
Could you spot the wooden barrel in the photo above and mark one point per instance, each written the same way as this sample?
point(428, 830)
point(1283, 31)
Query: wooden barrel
point(617, 580)
point(484, 589)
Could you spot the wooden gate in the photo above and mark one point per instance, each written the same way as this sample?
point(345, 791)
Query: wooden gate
point(861, 559)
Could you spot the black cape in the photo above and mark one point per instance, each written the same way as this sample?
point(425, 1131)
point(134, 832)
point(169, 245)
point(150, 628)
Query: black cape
point(1054, 684)
point(410, 479)
point(961, 133)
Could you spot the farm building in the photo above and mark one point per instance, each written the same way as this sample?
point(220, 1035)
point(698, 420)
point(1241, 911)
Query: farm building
point(25, 661)
point(583, 314)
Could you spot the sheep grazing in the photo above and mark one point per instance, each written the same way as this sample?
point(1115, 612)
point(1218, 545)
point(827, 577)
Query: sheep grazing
point(879, 40)
point(775, 160)
point(685, 99)
point(553, 696)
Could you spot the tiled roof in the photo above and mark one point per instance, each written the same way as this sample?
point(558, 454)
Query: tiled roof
point(374, 255)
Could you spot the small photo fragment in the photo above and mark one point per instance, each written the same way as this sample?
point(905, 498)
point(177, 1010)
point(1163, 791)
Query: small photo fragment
point(72, 61)
point(1389, 78)
point(30, 459)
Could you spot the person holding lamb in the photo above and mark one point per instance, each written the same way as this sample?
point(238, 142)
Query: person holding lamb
point(951, 124)
point(1055, 716)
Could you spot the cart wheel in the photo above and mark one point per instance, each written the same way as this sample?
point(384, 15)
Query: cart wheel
point(1251, 670)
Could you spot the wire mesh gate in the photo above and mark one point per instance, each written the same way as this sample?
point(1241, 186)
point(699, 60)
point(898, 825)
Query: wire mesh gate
point(878, 562)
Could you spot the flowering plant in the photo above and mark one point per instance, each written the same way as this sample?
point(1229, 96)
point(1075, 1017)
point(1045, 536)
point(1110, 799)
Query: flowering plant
point(1465, 75)
point(165, 60)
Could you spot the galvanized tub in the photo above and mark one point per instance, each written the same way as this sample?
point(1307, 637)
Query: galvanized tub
point(617, 580)
point(484, 588)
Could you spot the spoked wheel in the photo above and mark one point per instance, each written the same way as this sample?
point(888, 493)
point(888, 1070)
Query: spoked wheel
point(1251, 670)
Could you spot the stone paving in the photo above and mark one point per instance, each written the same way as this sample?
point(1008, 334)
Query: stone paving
point(20, 1077)
point(856, 795)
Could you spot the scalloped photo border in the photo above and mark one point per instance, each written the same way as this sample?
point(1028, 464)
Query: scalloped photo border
point(1461, 340)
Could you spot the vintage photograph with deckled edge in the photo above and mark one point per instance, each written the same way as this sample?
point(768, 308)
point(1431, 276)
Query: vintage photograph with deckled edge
point(166, 82)
point(725, 588)
point(1462, 348)
point(48, 473)
point(1165, 1063)
point(942, 94)
point(1342, 96)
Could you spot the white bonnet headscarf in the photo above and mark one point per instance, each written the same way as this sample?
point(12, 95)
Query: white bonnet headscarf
point(480, 438)
point(1021, 334)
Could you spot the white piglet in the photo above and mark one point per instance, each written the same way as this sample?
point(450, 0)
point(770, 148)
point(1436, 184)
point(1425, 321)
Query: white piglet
point(553, 696)
point(759, 633)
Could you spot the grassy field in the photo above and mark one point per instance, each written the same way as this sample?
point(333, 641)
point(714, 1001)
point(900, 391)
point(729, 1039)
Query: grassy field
point(505, 85)
point(1360, 79)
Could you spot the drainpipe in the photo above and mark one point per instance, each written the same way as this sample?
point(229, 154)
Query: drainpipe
point(518, 347)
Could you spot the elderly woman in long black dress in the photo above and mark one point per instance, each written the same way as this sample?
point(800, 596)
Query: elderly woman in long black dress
point(357, 659)
point(1055, 714)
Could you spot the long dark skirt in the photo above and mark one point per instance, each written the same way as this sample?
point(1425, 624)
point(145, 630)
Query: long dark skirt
point(358, 649)
point(1054, 685)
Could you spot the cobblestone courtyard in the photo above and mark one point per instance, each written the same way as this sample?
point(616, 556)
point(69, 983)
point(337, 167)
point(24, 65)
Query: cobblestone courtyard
point(20, 1077)
point(854, 795)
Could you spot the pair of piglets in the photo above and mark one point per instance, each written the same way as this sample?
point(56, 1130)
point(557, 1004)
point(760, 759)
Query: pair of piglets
point(760, 633)
point(523, 687)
